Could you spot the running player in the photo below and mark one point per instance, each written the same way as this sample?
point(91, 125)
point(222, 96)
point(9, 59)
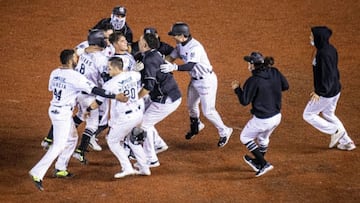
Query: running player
point(263, 90)
point(203, 85)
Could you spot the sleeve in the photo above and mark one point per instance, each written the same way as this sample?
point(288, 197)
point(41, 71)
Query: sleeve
point(83, 83)
point(50, 86)
point(248, 93)
point(175, 53)
point(150, 74)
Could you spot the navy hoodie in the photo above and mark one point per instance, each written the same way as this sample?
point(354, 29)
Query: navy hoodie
point(325, 66)
point(263, 89)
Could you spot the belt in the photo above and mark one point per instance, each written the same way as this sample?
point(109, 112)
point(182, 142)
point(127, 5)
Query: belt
point(201, 77)
point(130, 111)
point(67, 106)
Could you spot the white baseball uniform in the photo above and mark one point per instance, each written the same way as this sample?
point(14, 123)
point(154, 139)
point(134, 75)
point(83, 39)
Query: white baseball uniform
point(124, 117)
point(66, 84)
point(203, 84)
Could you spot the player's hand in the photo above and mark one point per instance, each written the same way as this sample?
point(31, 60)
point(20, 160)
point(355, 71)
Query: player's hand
point(138, 66)
point(235, 84)
point(121, 97)
point(168, 67)
point(314, 97)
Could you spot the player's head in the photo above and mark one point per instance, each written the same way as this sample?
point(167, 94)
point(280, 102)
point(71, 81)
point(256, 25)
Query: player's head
point(97, 37)
point(148, 41)
point(115, 66)
point(118, 17)
point(179, 28)
point(108, 29)
point(118, 40)
point(255, 60)
point(68, 58)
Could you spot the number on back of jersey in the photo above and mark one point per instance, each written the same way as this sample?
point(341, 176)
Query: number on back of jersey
point(57, 94)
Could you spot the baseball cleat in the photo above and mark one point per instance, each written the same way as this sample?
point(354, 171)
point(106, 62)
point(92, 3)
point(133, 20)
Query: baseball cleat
point(125, 173)
point(190, 134)
point(38, 182)
point(251, 163)
point(349, 146)
point(224, 140)
point(79, 155)
point(268, 167)
point(94, 145)
point(63, 174)
point(336, 137)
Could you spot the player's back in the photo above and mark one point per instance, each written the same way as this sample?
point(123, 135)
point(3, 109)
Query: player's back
point(66, 84)
point(91, 65)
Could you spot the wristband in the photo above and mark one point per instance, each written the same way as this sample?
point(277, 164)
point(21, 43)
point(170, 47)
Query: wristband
point(88, 109)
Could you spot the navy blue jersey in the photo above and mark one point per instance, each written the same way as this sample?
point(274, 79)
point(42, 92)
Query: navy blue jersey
point(263, 90)
point(161, 85)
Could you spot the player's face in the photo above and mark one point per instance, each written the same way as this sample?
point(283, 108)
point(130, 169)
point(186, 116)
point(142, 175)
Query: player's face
point(112, 70)
point(123, 44)
point(179, 38)
point(142, 44)
point(311, 39)
point(74, 60)
point(251, 67)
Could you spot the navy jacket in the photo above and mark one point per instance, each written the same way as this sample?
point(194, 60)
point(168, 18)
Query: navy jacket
point(325, 66)
point(263, 90)
point(161, 85)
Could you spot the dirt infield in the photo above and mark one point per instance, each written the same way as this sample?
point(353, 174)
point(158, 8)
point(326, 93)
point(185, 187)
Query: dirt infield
point(305, 170)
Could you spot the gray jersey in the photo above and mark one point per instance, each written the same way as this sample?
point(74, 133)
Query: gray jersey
point(194, 52)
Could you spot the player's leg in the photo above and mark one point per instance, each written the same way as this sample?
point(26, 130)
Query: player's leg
point(64, 158)
point(312, 116)
point(269, 125)
point(193, 101)
point(61, 121)
point(116, 134)
point(248, 136)
point(155, 113)
point(207, 89)
point(329, 115)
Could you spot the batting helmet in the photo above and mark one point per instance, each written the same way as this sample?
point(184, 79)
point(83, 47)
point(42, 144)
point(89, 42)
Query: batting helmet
point(119, 11)
point(137, 136)
point(180, 28)
point(97, 37)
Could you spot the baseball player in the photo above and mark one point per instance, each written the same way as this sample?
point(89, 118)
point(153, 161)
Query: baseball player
point(118, 41)
point(165, 95)
point(124, 117)
point(264, 91)
point(91, 64)
point(118, 20)
point(65, 84)
point(203, 84)
point(327, 90)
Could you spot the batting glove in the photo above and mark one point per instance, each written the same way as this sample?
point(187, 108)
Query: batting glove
point(168, 67)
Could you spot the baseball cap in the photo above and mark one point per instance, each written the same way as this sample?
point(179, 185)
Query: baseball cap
point(119, 11)
point(255, 57)
point(150, 30)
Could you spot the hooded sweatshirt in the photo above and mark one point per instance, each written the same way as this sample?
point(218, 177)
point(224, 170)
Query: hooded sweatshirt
point(325, 65)
point(263, 89)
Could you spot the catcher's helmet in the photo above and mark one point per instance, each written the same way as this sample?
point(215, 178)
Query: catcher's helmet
point(97, 37)
point(119, 11)
point(180, 28)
